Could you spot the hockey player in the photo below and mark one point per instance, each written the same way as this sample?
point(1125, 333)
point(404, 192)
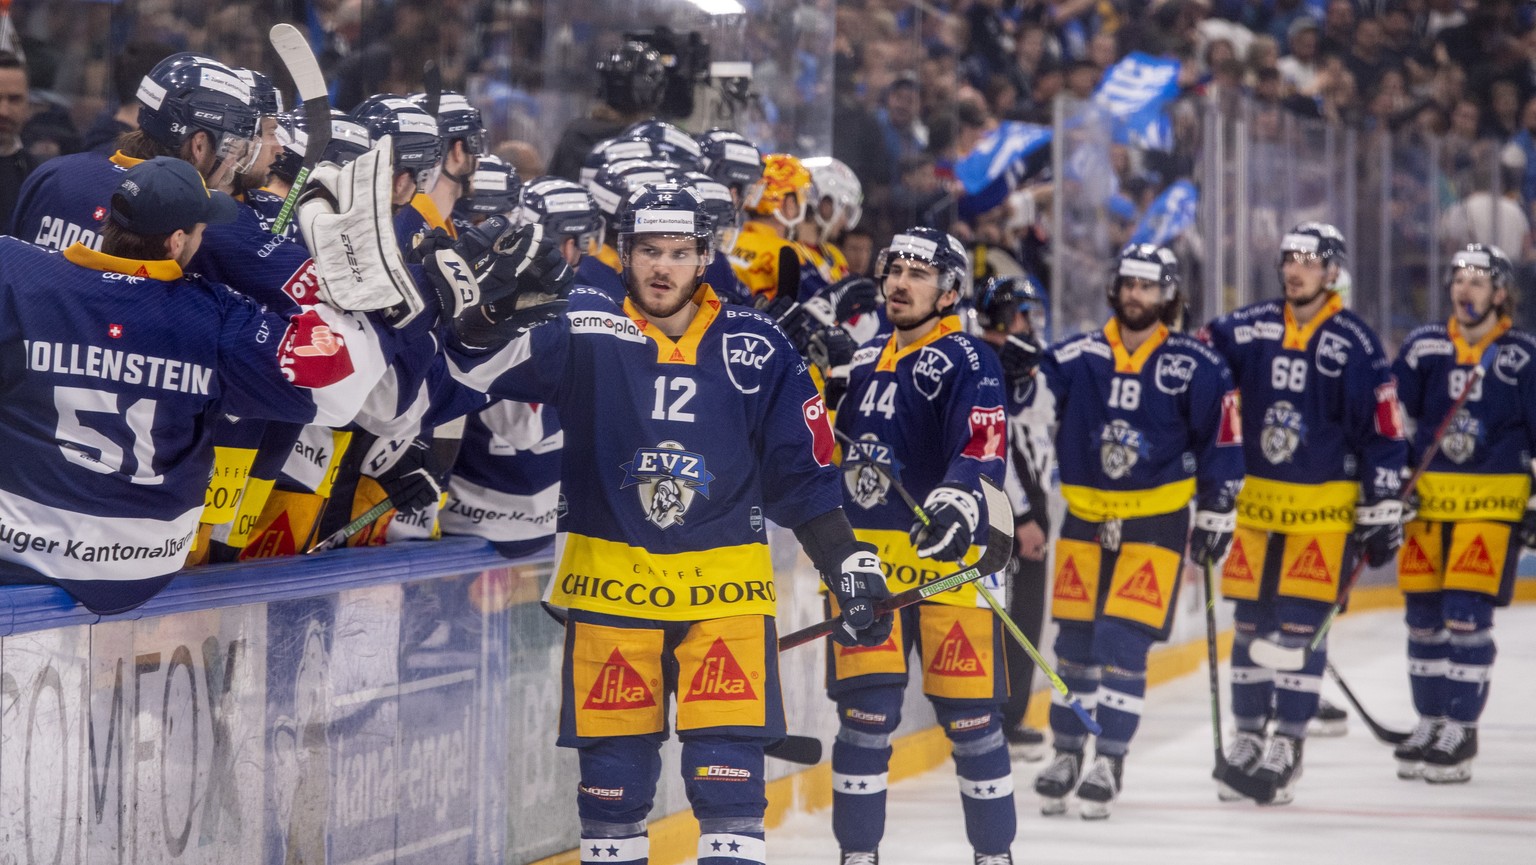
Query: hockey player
point(836, 203)
point(496, 190)
point(708, 415)
point(349, 140)
point(924, 408)
point(418, 160)
point(774, 206)
point(461, 130)
point(1323, 451)
point(1005, 310)
point(118, 361)
point(1474, 507)
point(731, 158)
point(1147, 422)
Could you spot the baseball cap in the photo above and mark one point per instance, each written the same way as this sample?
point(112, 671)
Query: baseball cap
point(164, 194)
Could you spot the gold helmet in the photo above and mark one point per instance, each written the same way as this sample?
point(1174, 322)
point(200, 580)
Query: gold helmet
point(783, 174)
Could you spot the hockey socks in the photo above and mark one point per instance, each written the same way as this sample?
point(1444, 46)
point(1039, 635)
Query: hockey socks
point(732, 841)
point(859, 779)
point(986, 788)
point(1068, 732)
point(1119, 712)
point(625, 844)
point(1253, 688)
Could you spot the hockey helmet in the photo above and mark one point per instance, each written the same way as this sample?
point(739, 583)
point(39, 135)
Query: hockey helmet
point(730, 158)
point(614, 150)
point(1150, 262)
point(457, 120)
point(1487, 258)
point(349, 140)
point(632, 78)
point(832, 179)
point(187, 93)
point(418, 147)
point(716, 198)
point(669, 141)
point(1315, 239)
point(666, 208)
point(562, 207)
point(1003, 296)
point(263, 92)
point(932, 247)
point(783, 175)
point(497, 188)
point(612, 185)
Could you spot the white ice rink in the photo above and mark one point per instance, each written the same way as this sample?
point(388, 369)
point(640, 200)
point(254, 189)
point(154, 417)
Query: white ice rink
point(1350, 806)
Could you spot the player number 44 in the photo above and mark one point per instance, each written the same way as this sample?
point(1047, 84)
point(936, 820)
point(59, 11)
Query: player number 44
point(885, 402)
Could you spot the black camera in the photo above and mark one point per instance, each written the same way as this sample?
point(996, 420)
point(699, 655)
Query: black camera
point(685, 56)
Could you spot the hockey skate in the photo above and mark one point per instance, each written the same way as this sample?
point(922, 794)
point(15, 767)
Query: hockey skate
point(859, 857)
point(1281, 767)
point(1057, 780)
point(1244, 755)
point(1449, 760)
point(1330, 720)
point(1025, 743)
point(1100, 787)
point(1410, 754)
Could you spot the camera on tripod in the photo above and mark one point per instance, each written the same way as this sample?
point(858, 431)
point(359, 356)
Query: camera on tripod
point(685, 56)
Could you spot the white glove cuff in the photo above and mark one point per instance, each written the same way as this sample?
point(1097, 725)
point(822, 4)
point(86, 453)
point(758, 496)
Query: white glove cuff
point(1383, 513)
point(962, 501)
point(1216, 521)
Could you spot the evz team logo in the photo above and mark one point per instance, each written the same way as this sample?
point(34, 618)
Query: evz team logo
point(1461, 438)
point(928, 374)
point(863, 461)
point(1174, 373)
point(745, 356)
point(1121, 446)
point(668, 477)
point(1283, 432)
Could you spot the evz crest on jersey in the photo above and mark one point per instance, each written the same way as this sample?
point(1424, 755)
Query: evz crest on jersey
point(868, 466)
point(1121, 446)
point(1284, 431)
point(669, 476)
point(1461, 438)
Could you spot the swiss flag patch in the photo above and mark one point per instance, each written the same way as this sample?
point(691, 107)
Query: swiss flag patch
point(989, 433)
point(99, 214)
point(304, 285)
point(311, 354)
point(1389, 412)
point(1231, 419)
point(815, 412)
point(115, 331)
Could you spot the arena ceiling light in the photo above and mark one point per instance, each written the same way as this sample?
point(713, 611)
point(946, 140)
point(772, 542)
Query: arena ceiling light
point(719, 7)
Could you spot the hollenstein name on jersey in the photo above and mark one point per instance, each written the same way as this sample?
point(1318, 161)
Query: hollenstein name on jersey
point(69, 358)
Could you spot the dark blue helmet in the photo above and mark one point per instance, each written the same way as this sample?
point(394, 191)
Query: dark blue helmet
point(1315, 238)
point(562, 207)
point(665, 208)
point(187, 93)
point(263, 92)
point(716, 199)
point(932, 247)
point(1150, 262)
point(1489, 258)
point(612, 185)
point(1002, 296)
point(349, 140)
point(496, 186)
point(730, 158)
point(632, 78)
point(457, 120)
point(418, 147)
point(669, 141)
point(615, 150)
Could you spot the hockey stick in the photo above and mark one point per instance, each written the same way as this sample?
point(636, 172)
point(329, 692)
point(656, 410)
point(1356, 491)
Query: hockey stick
point(341, 535)
point(1384, 735)
point(1224, 772)
point(304, 69)
point(1286, 658)
point(996, 556)
point(432, 85)
point(1001, 503)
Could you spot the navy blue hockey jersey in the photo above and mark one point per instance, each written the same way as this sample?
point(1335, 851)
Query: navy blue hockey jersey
point(930, 413)
point(1482, 470)
point(110, 371)
point(506, 484)
point(1142, 433)
point(1322, 426)
point(677, 452)
point(64, 200)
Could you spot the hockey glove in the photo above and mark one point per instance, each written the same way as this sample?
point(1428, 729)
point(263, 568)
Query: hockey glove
point(853, 296)
point(1019, 355)
point(525, 283)
point(953, 512)
point(859, 586)
point(1379, 531)
point(1528, 525)
point(409, 483)
point(1212, 537)
point(831, 349)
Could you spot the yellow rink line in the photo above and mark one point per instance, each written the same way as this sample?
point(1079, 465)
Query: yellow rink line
point(674, 838)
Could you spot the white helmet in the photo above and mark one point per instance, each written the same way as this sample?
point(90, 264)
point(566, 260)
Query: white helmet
point(831, 178)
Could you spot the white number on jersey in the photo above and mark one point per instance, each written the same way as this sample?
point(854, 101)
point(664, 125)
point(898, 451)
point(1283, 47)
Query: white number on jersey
point(1124, 393)
point(76, 437)
point(684, 388)
point(1288, 373)
point(885, 404)
point(1458, 383)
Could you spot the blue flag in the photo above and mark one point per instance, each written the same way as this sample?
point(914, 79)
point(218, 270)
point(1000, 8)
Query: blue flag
point(1170, 215)
point(1135, 91)
point(999, 162)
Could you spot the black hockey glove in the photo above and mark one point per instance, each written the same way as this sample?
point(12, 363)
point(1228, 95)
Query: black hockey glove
point(831, 348)
point(953, 512)
point(409, 483)
point(853, 296)
point(523, 283)
point(1212, 537)
point(1379, 531)
point(859, 586)
point(1528, 525)
point(1019, 355)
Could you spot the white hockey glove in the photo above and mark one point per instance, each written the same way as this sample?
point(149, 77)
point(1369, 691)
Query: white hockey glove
point(348, 225)
point(1379, 530)
point(1212, 536)
point(953, 512)
point(858, 587)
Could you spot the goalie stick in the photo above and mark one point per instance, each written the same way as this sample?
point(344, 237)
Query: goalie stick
point(1267, 653)
point(996, 502)
point(299, 59)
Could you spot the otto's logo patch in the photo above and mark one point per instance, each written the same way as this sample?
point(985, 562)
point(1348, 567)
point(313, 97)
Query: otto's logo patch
point(310, 354)
point(668, 477)
point(1231, 432)
point(814, 410)
point(1174, 373)
point(929, 371)
point(988, 433)
point(304, 285)
point(745, 356)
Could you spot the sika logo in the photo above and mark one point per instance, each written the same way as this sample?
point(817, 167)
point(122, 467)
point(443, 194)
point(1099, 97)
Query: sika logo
point(956, 656)
point(1310, 566)
point(720, 677)
point(618, 686)
point(1475, 560)
point(1069, 583)
point(1142, 587)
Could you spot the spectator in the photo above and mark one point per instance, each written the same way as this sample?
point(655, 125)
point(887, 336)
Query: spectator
point(1298, 69)
point(15, 162)
point(129, 68)
point(1502, 120)
point(1494, 215)
point(1338, 32)
point(1525, 139)
point(903, 131)
point(1369, 58)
